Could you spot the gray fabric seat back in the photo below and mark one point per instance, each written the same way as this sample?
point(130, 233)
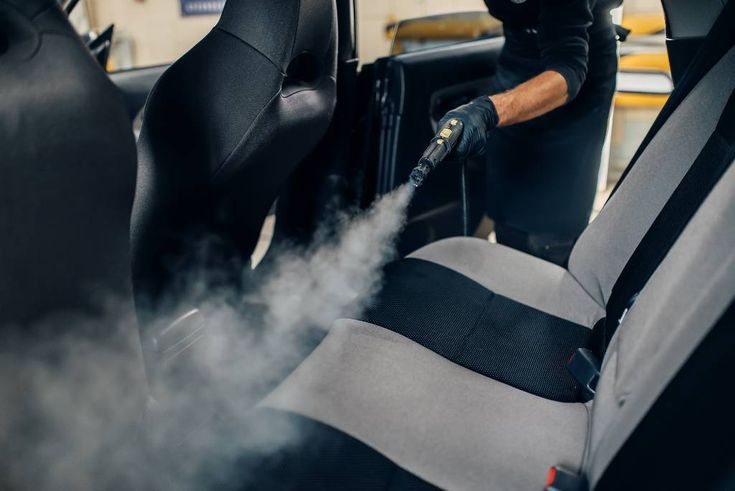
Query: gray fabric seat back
point(679, 305)
point(604, 248)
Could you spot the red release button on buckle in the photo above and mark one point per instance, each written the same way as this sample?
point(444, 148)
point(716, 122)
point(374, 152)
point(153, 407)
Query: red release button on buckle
point(561, 479)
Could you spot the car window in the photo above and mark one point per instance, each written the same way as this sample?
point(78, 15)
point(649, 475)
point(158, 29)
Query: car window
point(441, 30)
point(378, 20)
point(146, 32)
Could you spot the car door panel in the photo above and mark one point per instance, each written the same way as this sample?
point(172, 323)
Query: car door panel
point(412, 92)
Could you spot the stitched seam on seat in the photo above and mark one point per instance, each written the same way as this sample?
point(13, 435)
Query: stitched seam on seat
point(218, 28)
point(245, 136)
point(481, 315)
point(587, 292)
point(587, 450)
point(295, 34)
point(43, 11)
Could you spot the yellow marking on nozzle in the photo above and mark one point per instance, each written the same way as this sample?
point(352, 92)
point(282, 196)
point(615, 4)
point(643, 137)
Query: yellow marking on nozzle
point(445, 133)
point(440, 142)
point(453, 122)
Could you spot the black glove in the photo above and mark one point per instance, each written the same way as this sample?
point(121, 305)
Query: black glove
point(479, 117)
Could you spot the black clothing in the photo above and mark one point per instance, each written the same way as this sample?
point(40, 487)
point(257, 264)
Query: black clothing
point(542, 174)
point(561, 35)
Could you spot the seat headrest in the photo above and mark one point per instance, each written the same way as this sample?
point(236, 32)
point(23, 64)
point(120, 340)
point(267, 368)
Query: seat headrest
point(281, 30)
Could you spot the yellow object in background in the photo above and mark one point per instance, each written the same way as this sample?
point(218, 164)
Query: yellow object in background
point(644, 52)
point(644, 24)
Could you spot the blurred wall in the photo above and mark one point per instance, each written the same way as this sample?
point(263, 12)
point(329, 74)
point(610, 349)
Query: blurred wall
point(153, 31)
point(642, 6)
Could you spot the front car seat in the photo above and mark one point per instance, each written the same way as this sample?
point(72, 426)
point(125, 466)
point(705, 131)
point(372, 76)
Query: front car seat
point(223, 129)
point(66, 195)
point(68, 170)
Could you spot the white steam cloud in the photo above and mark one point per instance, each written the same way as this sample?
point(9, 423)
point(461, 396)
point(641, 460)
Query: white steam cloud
point(71, 409)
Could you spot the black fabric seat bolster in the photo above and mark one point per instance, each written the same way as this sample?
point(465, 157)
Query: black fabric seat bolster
point(324, 458)
point(693, 448)
point(712, 162)
point(718, 42)
point(478, 329)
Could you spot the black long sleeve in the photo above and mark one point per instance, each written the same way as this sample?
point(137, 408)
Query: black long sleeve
point(563, 40)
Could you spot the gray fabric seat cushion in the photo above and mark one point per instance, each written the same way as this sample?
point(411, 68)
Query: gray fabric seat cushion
point(516, 275)
point(441, 422)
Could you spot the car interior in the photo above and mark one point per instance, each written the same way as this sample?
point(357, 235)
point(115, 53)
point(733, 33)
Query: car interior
point(610, 372)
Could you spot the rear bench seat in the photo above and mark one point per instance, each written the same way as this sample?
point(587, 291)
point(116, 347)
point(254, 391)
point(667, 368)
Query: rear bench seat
point(459, 375)
point(460, 430)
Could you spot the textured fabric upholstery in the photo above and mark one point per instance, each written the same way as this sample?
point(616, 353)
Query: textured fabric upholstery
point(446, 424)
point(478, 329)
point(513, 274)
point(682, 300)
point(606, 245)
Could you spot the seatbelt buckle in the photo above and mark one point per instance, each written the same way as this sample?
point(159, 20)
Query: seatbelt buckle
point(628, 306)
point(561, 479)
point(585, 368)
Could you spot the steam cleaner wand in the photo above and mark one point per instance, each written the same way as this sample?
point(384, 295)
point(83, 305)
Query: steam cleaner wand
point(440, 147)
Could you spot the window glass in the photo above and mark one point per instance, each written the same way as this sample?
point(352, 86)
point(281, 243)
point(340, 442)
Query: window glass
point(146, 32)
point(375, 17)
point(441, 30)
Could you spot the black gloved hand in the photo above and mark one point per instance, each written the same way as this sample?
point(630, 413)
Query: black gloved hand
point(479, 117)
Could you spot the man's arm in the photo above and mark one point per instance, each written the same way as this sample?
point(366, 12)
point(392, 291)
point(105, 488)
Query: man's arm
point(531, 99)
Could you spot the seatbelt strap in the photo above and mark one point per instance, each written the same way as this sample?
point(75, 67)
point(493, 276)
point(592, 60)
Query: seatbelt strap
point(711, 163)
point(685, 440)
point(717, 43)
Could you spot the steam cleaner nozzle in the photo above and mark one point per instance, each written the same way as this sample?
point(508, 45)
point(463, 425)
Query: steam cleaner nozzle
point(440, 147)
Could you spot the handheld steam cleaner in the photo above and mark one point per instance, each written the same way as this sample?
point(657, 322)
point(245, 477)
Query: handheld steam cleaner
point(439, 149)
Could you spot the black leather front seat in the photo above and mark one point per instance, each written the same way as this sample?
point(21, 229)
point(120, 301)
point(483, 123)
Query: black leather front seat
point(223, 129)
point(67, 171)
